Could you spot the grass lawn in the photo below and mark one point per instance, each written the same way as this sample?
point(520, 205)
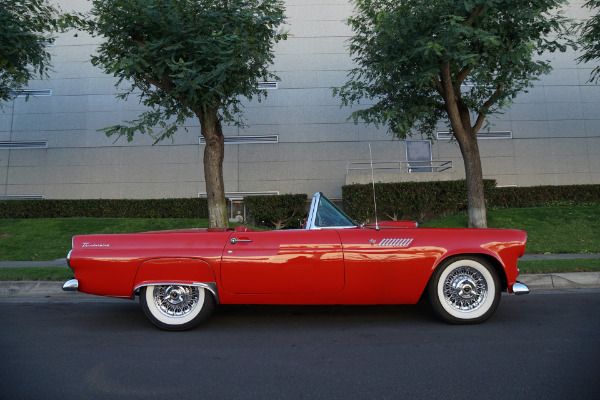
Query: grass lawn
point(550, 230)
point(548, 266)
point(49, 239)
point(36, 274)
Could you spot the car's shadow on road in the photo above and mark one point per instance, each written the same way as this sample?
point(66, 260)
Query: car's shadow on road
point(317, 316)
point(128, 316)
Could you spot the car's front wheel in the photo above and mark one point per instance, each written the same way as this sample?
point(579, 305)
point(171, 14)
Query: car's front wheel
point(464, 290)
point(176, 307)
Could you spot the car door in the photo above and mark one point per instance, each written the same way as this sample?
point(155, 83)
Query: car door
point(283, 262)
point(389, 266)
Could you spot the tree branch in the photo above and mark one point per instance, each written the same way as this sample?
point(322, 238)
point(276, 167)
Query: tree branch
point(452, 107)
point(462, 75)
point(438, 86)
point(474, 14)
point(490, 102)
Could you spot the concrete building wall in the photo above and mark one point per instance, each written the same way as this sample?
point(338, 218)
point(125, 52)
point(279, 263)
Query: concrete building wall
point(555, 127)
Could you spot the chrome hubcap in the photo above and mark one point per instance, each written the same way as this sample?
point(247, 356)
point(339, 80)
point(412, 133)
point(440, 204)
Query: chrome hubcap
point(176, 301)
point(465, 289)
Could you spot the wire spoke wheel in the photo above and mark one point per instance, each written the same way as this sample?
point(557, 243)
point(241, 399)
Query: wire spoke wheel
point(176, 301)
point(176, 307)
point(464, 290)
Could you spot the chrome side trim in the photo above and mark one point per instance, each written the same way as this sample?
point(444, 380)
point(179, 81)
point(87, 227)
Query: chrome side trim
point(69, 259)
point(519, 288)
point(71, 285)
point(210, 286)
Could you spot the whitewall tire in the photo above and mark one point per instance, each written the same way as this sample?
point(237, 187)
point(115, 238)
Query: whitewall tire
point(464, 290)
point(176, 307)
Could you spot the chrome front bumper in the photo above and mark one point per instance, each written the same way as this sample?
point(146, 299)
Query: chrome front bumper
point(519, 288)
point(71, 285)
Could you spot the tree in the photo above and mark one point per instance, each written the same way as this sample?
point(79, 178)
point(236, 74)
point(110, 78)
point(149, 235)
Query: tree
point(423, 61)
point(590, 39)
point(26, 26)
point(188, 59)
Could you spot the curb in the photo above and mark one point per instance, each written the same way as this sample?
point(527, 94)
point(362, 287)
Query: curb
point(21, 289)
point(566, 280)
point(61, 262)
point(559, 281)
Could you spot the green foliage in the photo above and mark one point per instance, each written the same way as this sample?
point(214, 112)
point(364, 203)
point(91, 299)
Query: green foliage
point(104, 208)
point(278, 211)
point(26, 26)
point(408, 200)
point(402, 49)
point(183, 57)
point(590, 39)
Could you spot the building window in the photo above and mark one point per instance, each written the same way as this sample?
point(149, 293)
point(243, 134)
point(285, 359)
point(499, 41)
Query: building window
point(21, 145)
point(269, 85)
point(30, 92)
point(23, 197)
point(480, 135)
point(267, 139)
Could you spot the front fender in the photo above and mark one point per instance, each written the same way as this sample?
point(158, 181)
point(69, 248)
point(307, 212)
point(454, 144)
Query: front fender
point(183, 271)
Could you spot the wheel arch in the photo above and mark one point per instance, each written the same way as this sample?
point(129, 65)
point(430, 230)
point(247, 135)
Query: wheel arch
point(494, 262)
point(176, 271)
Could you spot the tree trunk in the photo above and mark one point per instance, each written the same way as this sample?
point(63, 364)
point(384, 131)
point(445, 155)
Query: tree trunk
point(214, 153)
point(469, 148)
point(466, 136)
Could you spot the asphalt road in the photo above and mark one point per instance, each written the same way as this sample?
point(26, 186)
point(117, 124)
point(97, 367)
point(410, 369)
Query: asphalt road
point(544, 345)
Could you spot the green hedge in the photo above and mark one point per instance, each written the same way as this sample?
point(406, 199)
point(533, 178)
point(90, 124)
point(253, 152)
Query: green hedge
point(153, 208)
point(427, 200)
point(278, 211)
point(408, 200)
point(515, 197)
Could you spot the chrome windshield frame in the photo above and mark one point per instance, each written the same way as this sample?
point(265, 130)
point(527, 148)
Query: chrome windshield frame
point(314, 208)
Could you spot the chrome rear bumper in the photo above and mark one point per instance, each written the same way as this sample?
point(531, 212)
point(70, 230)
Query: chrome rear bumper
point(71, 285)
point(519, 288)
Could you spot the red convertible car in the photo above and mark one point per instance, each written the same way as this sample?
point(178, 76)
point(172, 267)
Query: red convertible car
point(181, 275)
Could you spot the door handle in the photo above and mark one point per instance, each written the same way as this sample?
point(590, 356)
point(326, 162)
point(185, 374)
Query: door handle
point(235, 240)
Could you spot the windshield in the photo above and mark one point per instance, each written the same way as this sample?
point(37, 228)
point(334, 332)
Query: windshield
point(324, 214)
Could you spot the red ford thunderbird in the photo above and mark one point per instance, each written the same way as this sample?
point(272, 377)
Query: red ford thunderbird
point(181, 275)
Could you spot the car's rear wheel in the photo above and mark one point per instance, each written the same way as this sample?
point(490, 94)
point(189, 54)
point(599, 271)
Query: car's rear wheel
point(464, 290)
point(176, 307)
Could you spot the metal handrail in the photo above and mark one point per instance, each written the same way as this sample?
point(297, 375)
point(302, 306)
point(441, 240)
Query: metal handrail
point(401, 166)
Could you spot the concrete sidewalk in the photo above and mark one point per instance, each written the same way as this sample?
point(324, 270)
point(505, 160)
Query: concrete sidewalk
point(61, 262)
point(556, 281)
point(562, 281)
point(538, 257)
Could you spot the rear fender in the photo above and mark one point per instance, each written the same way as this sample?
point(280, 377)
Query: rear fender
point(181, 271)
